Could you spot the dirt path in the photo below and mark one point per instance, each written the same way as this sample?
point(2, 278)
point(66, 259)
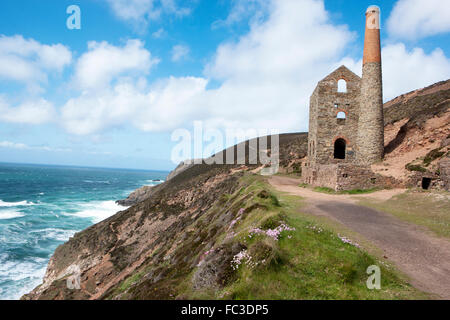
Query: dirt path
point(421, 256)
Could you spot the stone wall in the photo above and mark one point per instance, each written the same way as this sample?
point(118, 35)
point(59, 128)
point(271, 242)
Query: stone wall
point(320, 176)
point(324, 126)
point(371, 121)
point(346, 177)
point(444, 173)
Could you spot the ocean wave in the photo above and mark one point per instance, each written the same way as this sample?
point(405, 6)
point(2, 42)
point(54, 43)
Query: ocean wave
point(16, 204)
point(10, 214)
point(98, 210)
point(155, 181)
point(97, 181)
point(54, 234)
point(25, 274)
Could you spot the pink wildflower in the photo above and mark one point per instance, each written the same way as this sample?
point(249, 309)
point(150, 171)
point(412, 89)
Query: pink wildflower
point(272, 233)
point(348, 241)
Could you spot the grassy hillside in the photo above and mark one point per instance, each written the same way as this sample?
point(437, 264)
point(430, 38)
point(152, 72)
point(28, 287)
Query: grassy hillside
point(305, 261)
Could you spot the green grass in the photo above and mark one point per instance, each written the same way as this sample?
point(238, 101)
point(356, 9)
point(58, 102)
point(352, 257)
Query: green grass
point(415, 167)
point(310, 262)
point(432, 155)
point(128, 282)
point(305, 263)
point(325, 190)
point(354, 191)
point(303, 185)
point(427, 209)
point(360, 191)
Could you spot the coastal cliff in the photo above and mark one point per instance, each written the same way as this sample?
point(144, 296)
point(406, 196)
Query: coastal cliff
point(196, 234)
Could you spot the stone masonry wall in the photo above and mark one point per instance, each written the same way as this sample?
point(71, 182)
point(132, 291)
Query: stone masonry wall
point(320, 176)
point(346, 177)
point(324, 127)
point(371, 121)
point(444, 173)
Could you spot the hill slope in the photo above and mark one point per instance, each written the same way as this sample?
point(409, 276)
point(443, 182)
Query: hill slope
point(220, 231)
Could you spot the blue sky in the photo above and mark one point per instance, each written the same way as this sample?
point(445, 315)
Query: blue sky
point(112, 93)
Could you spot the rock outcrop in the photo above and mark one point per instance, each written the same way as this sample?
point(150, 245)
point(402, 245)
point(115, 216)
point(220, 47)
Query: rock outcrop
point(159, 238)
point(416, 131)
point(137, 196)
point(182, 166)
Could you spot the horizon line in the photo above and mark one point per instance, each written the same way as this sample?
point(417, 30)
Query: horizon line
point(81, 166)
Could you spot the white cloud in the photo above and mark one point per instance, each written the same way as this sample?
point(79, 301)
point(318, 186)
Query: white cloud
point(265, 79)
point(404, 70)
point(270, 73)
point(159, 34)
point(104, 62)
point(141, 12)
point(242, 10)
point(23, 146)
point(415, 19)
point(13, 145)
point(28, 61)
point(179, 52)
point(164, 105)
point(407, 70)
point(36, 111)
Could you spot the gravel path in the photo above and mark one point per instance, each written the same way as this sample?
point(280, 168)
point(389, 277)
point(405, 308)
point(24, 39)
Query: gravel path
point(420, 255)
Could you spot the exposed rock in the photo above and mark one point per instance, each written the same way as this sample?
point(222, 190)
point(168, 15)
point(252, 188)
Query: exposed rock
point(175, 225)
point(444, 171)
point(180, 168)
point(216, 269)
point(136, 196)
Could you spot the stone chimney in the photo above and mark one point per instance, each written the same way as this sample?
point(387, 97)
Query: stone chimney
point(370, 140)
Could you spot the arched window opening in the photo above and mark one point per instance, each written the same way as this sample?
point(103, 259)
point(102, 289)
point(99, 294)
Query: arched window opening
point(342, 86)
point(341, 115)
point(339, 149)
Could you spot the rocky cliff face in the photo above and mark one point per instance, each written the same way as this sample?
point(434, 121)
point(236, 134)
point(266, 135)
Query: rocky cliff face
point(137, 196)
point(417, 133)
point(160, 238)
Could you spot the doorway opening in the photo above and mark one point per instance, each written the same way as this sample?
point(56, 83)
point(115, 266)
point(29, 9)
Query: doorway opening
point(339, 149)
point(426, 182)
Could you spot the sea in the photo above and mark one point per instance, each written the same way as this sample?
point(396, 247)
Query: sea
point(42, 206)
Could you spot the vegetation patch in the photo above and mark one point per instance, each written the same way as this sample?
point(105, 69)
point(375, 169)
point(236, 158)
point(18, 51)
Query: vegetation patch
point(325, 190)
point(432, 155)
point(256, 244)
point(415, 167)
point(286, 256)
point(353, 191)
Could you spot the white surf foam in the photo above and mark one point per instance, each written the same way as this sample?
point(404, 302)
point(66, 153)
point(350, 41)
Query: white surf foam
point(98, 210)
point(26, 275)
point(10, 214)
point(97, 181)
point(55, 234)
point(16, 204)
point(154, 181)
